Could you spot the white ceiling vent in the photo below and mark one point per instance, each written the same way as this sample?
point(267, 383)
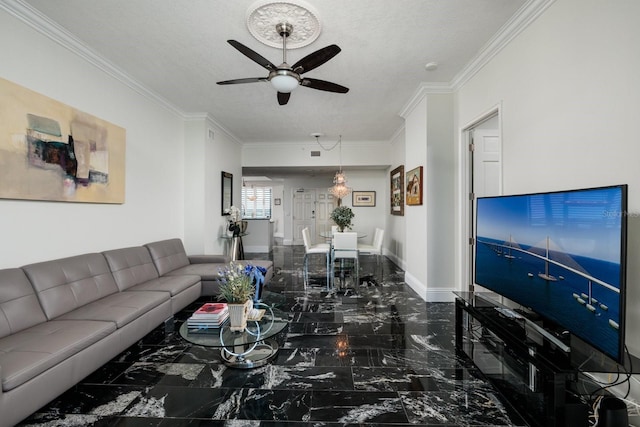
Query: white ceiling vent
point(315, 154)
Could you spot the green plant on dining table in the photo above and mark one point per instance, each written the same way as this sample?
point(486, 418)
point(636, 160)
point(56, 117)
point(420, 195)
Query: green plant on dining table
point(342, 216)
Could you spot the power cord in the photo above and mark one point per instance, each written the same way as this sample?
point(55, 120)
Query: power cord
point(596, 399)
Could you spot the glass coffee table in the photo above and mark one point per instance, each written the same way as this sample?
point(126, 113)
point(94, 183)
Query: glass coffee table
point(250, 348)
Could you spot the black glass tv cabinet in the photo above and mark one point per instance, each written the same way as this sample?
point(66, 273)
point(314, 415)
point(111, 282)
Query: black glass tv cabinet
point(530, 366)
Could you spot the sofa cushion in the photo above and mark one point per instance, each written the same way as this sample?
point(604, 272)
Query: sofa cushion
point(168, 255)
point(209, 259)
point(172, 284)
point(121, 308)
point(32, 351)
point(205, 271)
point(19, 306)
point(131, 266)
point(210, 272)
point(65, 284)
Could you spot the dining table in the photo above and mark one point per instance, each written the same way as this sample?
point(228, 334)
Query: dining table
point(329, 234)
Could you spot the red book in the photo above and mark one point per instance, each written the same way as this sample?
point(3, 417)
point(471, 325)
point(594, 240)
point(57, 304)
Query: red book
point(211, 310)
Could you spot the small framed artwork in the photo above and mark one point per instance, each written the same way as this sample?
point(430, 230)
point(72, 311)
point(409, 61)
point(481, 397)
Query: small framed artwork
point(363, 198)
point(397, 191)
point(277, 202)
point(414, 186)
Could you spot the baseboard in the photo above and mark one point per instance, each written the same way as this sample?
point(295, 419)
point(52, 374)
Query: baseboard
point(416, 285)
point(432, 293)
point(393, 257)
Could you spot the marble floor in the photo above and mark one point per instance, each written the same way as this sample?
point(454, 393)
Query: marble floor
point(374, 354)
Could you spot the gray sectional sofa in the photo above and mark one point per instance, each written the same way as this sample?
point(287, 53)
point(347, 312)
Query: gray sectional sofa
point(62, 319)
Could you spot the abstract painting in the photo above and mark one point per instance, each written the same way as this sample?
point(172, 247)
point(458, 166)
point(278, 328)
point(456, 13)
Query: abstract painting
point(51, 151)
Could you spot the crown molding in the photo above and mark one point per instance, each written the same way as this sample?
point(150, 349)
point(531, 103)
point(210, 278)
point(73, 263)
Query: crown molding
point(528, 13)
point(42, 24)
point(423, 90)
point(206, 117)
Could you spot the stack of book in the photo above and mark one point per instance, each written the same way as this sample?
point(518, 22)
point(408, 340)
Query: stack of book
point(210, 315)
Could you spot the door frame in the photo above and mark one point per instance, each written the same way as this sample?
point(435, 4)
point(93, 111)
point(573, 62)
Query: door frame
point(464, 271)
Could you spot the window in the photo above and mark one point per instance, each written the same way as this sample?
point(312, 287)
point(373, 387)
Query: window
point(256, 202)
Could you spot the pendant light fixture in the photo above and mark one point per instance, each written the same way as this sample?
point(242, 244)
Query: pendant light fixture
point(340, 188)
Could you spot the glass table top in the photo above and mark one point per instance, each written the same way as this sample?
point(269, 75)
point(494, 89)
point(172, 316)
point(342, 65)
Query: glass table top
point(272, 322)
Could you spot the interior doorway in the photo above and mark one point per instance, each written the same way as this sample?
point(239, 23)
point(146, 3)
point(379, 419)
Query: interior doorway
point(481, 176)
point(311, 208)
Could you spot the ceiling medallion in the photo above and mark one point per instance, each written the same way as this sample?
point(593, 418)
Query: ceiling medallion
point(264, 15)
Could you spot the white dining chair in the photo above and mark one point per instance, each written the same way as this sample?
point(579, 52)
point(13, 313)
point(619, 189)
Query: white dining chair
point(375, 248)
point(310, 249)
point(345, 248)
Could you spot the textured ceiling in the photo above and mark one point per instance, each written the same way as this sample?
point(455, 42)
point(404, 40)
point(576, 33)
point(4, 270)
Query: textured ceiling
point(177, 49)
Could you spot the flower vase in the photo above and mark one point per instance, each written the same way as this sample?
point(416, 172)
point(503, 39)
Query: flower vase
point(238, 314)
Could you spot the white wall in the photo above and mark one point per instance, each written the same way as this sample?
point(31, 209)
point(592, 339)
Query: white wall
point(209, 151)
point(36, 231)
point(569, 90)
point(277, 211)
point(430, 227)
point(395, 234)
point(366, 219)
point(354, 153)
point(440, 197)
point(416, 237)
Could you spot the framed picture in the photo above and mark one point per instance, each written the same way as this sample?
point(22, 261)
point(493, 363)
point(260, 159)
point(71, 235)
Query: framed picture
point(226, 192)
point(51, 151)
point(414, 186)
point(277, 202)
point(397, 191)
point(363, 198)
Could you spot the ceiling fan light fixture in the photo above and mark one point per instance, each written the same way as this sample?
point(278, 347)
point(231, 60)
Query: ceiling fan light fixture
point(284, 81)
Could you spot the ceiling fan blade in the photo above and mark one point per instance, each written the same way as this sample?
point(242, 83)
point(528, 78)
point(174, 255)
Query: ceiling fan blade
point(252, 55)
point(323, 85)
point(239, 81)
point(283, 98)
point(315, 59)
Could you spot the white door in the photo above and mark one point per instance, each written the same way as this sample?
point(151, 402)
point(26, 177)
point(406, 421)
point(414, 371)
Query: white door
point(487, 163)
point(304, 213)
point(324, 206)
point(486, 177)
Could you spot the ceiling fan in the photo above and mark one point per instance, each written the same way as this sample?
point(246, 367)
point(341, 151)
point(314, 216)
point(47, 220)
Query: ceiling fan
point(285, 78)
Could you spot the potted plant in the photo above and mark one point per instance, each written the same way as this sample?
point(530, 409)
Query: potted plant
point(342, 216)
point(241, 286)
point(237, 289)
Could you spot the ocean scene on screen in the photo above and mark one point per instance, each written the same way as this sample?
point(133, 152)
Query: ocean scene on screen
point(560, 255)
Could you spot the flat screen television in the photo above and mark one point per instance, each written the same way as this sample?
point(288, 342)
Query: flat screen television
point(561, 255)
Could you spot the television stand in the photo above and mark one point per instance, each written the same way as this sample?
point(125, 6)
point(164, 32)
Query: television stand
point(511, 314)
point(530, 366)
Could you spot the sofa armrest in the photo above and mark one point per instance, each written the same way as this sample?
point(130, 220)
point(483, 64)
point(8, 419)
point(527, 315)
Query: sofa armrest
point(209, 259)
